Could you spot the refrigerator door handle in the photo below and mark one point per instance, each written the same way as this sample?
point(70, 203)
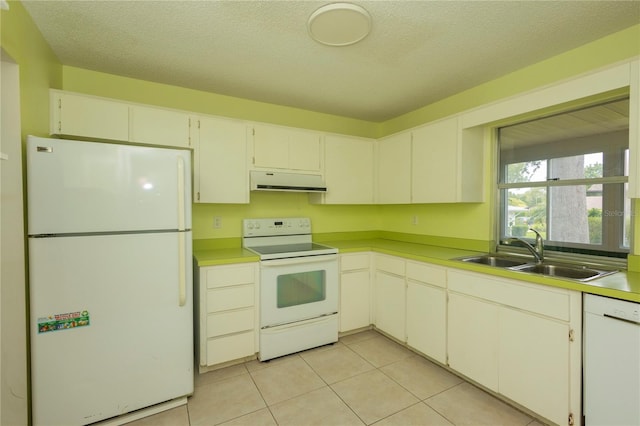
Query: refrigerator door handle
point(182, 270)
point(181, 206)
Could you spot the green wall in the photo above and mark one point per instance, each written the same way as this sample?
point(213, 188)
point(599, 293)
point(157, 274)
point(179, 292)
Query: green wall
point(39, 67)
point(325, 219)
point(41, 70)
point(129, 89)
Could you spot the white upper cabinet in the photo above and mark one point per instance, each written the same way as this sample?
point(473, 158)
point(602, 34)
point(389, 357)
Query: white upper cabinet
point(157, 126)
point(348, 165)
point(447, 163)
point(394, 169)
point(91, 117)
point(220, 160)
point(277, 147)
point(88, 116)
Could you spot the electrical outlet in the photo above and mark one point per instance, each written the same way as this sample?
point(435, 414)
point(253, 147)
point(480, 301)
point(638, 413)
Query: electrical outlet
point(414, 220)
point(217, 222)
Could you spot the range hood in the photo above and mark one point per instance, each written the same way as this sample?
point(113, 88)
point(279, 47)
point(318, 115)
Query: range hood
point(292, 182)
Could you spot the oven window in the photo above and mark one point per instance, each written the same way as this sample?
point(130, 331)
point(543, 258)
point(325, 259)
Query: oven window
point(301, 288)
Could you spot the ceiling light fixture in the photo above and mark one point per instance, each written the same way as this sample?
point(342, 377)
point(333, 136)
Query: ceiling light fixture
point(339, 24)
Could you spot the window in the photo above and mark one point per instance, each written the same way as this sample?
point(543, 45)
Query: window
point(566, 177)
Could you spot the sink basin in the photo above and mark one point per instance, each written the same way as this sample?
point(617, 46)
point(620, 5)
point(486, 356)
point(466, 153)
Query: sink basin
point(557, 270)
point(498, 261)
point(578, 273)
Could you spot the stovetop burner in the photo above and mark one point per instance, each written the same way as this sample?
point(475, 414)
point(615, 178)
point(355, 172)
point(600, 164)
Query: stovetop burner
point(282, 238)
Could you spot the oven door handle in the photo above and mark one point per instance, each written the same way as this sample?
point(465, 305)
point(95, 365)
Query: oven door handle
point(298, 260)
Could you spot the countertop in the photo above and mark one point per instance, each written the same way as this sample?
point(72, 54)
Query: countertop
point(621, 285)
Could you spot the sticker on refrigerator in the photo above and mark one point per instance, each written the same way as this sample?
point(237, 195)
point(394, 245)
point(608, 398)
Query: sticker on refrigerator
point(63, 321)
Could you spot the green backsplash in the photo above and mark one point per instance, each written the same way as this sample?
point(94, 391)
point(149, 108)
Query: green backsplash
point(324, 218)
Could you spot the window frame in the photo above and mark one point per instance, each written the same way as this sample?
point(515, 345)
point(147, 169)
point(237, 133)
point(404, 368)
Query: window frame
point(613, 236)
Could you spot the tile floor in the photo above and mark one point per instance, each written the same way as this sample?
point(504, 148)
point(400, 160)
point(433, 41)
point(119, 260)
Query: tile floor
point(365, 378)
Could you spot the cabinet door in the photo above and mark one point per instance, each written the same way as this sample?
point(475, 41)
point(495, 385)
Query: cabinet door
point(227, 325)
point(390, 304)
point(394, 169)
point(89, 117)
point(270, 147)
point(473, 339)
point(348, 170)
point(534, 363)
point(434, 171)
point(304, 150)
point(354, 300)
point(277, 147)
point(220, 172)
point(159, 126)
point(427, 320)
point(229, 348)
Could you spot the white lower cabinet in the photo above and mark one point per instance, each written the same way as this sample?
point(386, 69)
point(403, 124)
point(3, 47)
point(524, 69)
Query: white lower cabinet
point(427, 310)
point(518, 339)
point(226, 313)
point(473, 339)
point(355, 291)
point(390, 296)
point(521, 340)
point(534, 363)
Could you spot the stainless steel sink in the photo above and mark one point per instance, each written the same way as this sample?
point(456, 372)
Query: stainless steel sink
point(578, 273)
point(491, 260)
point(549, 269)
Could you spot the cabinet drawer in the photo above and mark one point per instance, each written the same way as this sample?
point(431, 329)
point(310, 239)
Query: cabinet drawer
point(427, 274)
point(543, 300)
point(390, 264)
point(229, 348)
point(222, 323)
point(223, 276)
point(350, 262)
point(227, 298)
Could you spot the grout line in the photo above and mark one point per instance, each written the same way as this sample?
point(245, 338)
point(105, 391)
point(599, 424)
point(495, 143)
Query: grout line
point(372, 335)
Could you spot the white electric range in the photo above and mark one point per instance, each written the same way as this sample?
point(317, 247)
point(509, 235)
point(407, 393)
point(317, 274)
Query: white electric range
point(298, 286)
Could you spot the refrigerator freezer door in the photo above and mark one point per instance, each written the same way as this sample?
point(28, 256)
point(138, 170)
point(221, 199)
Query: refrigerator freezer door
point(84, 187)
point(109, 331)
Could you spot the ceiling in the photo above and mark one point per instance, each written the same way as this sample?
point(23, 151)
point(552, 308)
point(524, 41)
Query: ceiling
point(417, 53)
point(602, 119)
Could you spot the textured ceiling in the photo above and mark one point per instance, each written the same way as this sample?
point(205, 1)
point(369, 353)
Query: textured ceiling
point(602, 119)
point(418, 52)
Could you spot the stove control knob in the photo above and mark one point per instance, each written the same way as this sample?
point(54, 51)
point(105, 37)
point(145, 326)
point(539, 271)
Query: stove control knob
point(250, 225)
point(257, 225)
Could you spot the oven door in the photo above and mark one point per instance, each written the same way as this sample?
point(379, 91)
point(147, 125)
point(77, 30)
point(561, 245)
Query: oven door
point(296, 289)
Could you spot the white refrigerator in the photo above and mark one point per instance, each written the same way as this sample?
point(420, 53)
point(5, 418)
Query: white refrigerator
point(110, 282)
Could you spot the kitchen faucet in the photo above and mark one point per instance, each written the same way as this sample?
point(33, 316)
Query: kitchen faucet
point(537, 251)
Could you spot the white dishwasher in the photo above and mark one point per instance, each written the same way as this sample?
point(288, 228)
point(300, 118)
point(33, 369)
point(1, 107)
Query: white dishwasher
point(611, 362)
